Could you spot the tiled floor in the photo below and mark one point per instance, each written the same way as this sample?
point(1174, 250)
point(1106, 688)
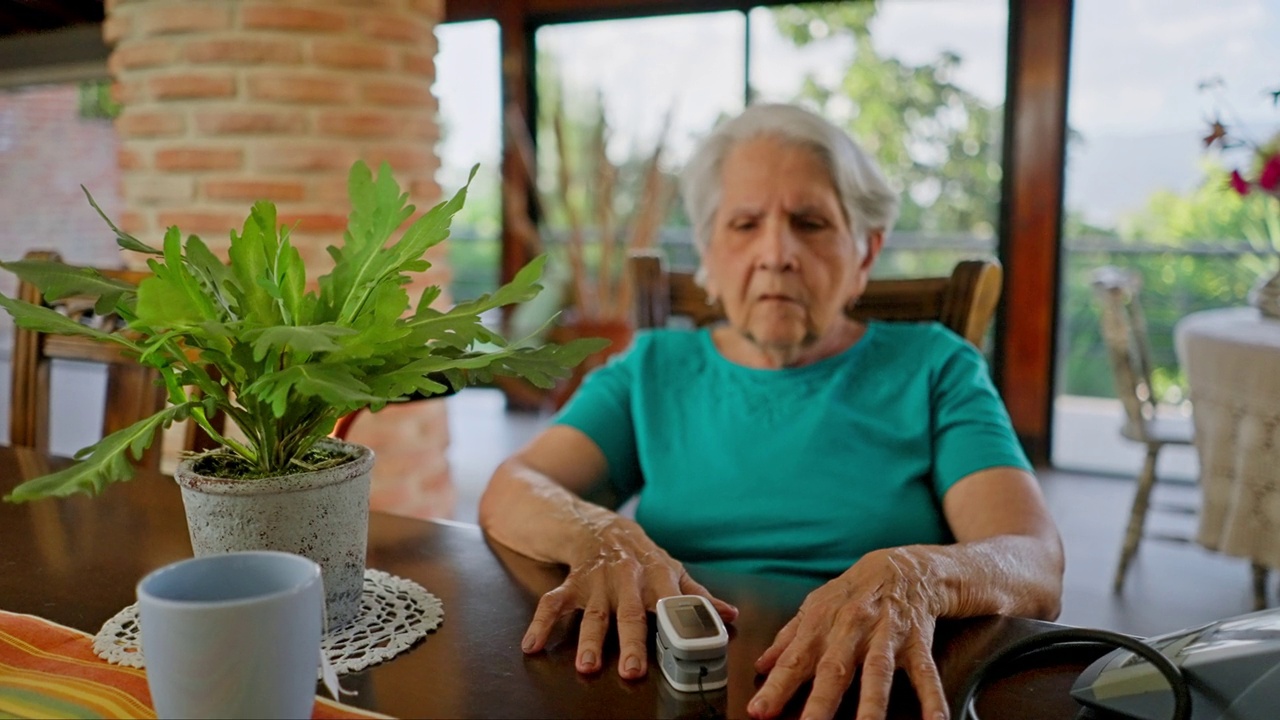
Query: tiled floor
point(1170, 585)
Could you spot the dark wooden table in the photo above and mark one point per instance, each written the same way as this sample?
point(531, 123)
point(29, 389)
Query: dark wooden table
point(76, 561)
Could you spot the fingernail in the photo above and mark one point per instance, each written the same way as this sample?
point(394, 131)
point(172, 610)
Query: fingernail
point(527, 643)
point(758, 706)
point(588, 659)
point(633, 664)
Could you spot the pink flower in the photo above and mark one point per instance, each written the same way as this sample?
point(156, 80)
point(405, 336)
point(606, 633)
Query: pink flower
point(1269, 178)
point(1238, 183)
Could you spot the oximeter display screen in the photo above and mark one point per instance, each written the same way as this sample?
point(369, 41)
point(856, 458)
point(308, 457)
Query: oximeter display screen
point(693, 621)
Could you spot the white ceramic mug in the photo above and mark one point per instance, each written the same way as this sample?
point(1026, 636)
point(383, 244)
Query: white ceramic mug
point(233, 636)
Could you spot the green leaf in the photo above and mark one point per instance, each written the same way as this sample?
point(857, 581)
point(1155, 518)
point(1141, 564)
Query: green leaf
point(410, 379)
point(544, 365)
point(44, 320)
point(524, 286)
point(123, 239)
point(215, 278)
point(249, 253)
point(173, 297)
point(462, 326)
point(58, 280)
point(106, 462)
point(431, 229)
point(377, 209)
point(309, 339)
point(291, 276)
point(164, 305)
point(333, 384)
point(427, 297)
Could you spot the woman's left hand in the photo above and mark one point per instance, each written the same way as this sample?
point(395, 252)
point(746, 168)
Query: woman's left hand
point(879, 615)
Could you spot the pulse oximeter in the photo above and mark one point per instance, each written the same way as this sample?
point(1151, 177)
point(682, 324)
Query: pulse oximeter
point(692, 644)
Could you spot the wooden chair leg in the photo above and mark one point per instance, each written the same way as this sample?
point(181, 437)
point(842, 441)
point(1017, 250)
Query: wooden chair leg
point(1137, 516)
point(1259, 586)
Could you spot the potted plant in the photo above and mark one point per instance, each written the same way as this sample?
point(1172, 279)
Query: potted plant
point(247, 338)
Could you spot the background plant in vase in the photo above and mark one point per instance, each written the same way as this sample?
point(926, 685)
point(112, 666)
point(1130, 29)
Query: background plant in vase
point(602, 210)
point(247, 338)
point(592, 212)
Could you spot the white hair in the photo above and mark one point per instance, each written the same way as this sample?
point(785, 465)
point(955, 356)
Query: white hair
point(866, 199)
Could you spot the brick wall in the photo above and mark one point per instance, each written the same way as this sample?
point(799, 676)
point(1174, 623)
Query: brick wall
point(227, 102)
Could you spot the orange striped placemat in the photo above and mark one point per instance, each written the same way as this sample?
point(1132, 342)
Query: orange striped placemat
point(49, 670)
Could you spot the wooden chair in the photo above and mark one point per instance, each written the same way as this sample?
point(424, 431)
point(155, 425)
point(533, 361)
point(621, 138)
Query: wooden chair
point(1124, 331)
point(964, 301)
point(133, 391)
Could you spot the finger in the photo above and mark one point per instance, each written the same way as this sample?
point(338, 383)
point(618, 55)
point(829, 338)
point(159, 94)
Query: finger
point(877, 679)
point(832, 678)
point(550, 609)
point(633, 633)
point(771, 654)
point(689, 586)
point(918, 662)
point(793, 667)
point(595, 624)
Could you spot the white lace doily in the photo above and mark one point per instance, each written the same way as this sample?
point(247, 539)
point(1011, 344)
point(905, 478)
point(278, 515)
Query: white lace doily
point(394, 614)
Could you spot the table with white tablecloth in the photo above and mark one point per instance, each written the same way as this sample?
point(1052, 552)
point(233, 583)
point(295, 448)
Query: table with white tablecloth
point(1232, 361)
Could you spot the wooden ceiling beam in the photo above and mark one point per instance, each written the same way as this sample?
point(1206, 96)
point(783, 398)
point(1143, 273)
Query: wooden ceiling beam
point(67, 13)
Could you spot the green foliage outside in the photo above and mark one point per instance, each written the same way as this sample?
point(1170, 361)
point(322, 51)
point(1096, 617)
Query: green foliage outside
point(475, 242)
point(95, 101)
point(939, 143)
point(1198, 251)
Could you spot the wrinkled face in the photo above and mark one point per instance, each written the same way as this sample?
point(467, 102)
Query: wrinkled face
point(782, 259)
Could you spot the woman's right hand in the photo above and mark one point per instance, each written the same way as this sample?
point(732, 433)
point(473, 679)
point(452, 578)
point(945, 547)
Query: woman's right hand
point(534, 506)
point(616, 570)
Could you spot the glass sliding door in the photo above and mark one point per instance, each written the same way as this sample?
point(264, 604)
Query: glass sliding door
point(467, 86)
point(621, 104)
point(1142, 193)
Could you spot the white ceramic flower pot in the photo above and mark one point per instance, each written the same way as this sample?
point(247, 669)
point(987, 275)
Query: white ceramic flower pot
point(321, 515)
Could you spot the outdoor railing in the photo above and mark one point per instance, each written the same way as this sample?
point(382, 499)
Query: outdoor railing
point(1177, 281)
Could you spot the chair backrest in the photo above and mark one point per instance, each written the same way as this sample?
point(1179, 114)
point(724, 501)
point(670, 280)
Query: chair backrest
point(132, 393)
point(964, 301)
point(1124, 330)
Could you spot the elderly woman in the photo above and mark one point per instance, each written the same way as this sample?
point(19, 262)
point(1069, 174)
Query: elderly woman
point(790, 440)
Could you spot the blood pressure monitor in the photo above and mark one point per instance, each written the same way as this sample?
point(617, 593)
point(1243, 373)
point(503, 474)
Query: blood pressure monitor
point(692, 642)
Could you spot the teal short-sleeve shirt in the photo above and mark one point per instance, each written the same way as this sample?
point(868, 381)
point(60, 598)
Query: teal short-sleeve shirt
point(797, 471)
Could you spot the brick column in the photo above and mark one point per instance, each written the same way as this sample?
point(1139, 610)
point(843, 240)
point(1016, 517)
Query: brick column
point(226, 102)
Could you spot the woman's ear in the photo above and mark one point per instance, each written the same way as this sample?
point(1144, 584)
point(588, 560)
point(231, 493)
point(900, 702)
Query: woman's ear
point(703, 278)
point(871, 248)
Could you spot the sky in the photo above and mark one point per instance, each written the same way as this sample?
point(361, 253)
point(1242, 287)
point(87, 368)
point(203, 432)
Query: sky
point(1134, 97)
point(1133, 102)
